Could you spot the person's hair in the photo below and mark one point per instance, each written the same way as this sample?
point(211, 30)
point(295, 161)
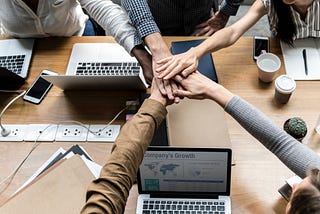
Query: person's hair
point(307, 200)
point(285, 25)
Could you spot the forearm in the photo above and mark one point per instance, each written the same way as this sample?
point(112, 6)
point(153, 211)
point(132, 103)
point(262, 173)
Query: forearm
point(113, 19)
point(219, 94)
point(229, 35)
point(157, 46)
point(108, 193)
point(296, 156)
point(221, 39)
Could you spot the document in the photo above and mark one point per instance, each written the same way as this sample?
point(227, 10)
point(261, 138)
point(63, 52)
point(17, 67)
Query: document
point(61, 189)
point(302, 60)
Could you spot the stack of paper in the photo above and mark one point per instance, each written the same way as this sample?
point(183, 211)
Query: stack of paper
point(59, 186)
point(296, 63)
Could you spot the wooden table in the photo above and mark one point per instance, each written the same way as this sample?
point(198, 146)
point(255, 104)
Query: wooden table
point(257, 174)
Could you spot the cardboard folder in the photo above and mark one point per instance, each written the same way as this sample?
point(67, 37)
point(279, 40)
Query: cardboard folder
point(197, 123)
point(61, 190)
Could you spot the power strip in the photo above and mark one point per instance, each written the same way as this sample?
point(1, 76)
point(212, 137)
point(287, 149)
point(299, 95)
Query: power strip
point(61, 132)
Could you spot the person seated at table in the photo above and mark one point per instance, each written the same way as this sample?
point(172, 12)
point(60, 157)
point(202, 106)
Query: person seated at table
point(35, 19)
point(155, 18)
point(289, 20)
point(108, 193)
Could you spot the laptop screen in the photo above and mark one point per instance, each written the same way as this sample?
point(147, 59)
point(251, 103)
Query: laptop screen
point(187, 170)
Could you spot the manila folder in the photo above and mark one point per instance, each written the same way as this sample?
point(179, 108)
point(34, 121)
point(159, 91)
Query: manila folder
point(61, 190)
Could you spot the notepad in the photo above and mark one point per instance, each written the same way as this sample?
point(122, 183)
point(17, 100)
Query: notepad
point(294, 62)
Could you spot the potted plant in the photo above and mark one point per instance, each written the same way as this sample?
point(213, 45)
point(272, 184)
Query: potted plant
point(296, 127)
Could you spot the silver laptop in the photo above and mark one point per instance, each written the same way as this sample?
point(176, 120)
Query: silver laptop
point(15, 55)
point(100, 66)
point(187, 180)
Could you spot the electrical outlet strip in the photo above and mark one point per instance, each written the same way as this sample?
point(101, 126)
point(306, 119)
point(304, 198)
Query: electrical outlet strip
point(72, 133)
point(103, 133)
point(41, 132)
point(17, 132)
point(66, 133)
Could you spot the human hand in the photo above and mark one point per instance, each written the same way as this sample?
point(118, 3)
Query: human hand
point(157, 95)
point(166, 87)
point(184, 63)
point(212, 25)
point(198, 86)
point(160, 50)
point(194, 86)
point(145, 61)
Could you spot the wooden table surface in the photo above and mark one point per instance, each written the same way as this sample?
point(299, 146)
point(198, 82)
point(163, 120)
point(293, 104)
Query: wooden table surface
point(257, 174)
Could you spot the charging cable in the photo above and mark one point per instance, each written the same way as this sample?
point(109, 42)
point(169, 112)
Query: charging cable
point(8, 179)
point(5, 131)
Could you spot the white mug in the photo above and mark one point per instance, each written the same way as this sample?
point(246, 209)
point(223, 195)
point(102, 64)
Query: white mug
point(268, 65)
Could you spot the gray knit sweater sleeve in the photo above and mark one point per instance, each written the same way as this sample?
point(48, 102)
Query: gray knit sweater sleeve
point(296, 156)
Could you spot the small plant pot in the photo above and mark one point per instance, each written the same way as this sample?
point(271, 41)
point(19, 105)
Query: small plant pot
point(296, 127)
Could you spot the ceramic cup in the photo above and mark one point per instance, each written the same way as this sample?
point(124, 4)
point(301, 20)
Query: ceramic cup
point(284, 86)
point(268, 65)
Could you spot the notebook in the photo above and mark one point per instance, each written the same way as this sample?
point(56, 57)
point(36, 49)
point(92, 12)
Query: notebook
point(15, 58)
point(100, 66)
point(185, 179)
point(206, 64)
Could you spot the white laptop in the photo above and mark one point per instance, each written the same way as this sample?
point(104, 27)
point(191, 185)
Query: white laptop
point(184, 179)
point(15, 55)
point(100, 66)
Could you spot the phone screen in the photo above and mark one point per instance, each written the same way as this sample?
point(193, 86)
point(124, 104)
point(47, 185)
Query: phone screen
point(39, 88)
point(260, 44)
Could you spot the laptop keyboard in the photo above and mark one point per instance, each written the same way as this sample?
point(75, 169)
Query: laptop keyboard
point(183, 207)
point(13, 63)
point(108, 69)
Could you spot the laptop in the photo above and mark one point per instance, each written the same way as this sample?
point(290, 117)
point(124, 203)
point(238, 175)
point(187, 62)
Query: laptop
point(15, 55)
point(100, 66)
point(184, 179)
point(15, 58)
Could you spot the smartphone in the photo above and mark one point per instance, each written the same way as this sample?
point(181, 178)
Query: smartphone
point(39, 88)
point(260, 43)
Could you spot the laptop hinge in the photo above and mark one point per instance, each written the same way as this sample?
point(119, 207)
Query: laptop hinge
point(184, 195)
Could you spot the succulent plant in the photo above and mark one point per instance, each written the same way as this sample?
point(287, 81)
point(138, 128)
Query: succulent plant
point(296, 127)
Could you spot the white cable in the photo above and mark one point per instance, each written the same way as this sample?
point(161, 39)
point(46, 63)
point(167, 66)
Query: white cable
point(5, 132)
point(34, 146)
point(36, 143)
point(95, 132)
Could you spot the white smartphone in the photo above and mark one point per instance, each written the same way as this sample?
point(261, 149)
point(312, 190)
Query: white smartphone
point(260, 43)
point(39, 88)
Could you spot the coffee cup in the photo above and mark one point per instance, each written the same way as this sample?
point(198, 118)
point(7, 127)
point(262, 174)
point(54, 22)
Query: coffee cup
point(284, 86)
point(268, 65)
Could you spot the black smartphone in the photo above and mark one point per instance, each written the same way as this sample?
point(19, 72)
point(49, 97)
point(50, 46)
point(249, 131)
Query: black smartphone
point(260, 43)
point(39, 88)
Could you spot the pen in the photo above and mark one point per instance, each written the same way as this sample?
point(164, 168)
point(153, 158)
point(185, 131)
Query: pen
point(304, 54)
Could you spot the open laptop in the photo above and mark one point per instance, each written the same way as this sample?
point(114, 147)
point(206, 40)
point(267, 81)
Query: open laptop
point(15, 58)
point(100, 66)
point(185, 179)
